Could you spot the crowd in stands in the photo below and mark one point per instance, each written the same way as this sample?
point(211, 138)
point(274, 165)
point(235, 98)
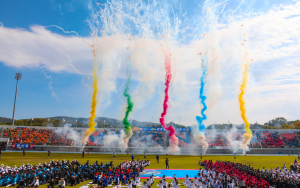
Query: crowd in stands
point(62, 173)
point(290, 140)
point(255, 145)
point(60, 140)
point(42, 136)
point(261, 139)
point(11, 133)
point(270, 140)
point(217, 142)
point(27, 135)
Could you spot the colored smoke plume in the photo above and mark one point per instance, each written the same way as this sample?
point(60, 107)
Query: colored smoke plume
point(173, 138)
point(200, 133)
point(245, 61)
point(92, 123)
point(129, 108)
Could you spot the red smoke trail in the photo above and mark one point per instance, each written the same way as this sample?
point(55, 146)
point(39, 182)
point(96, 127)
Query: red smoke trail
point(173, 138)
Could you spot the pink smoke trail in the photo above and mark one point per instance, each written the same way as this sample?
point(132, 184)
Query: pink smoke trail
point(173, 138)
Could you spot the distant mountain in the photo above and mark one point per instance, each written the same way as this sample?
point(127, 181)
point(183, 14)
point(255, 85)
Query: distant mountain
point(4, 120)
point(69, 119)
point(101, 122)
point(108, 122)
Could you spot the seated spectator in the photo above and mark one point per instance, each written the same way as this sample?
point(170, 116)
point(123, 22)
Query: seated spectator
point(62, 183)
point(35, 182)
point(51, 183)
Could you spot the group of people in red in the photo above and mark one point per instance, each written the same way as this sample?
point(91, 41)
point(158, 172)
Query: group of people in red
point(242, 178)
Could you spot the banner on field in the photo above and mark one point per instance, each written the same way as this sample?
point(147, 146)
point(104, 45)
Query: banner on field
point(22, 146)
point(148, 129)
point(159, 129)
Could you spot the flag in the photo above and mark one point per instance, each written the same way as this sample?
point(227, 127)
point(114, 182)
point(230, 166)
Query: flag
point(31, 118)
point(76, 120)
point(48, 119)
point(63, 119)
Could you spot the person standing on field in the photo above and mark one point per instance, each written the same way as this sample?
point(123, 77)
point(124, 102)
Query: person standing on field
point(83, 154)
point(48, 153)
point(144, 155)
point(157, 158)
point(114, 155)
point(167, 163)
point(23, 152)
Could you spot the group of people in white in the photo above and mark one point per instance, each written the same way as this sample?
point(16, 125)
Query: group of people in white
point(6, 169)
point(136, 164)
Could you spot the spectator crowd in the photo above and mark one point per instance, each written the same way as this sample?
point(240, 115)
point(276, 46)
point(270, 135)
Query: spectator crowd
point(43, 136)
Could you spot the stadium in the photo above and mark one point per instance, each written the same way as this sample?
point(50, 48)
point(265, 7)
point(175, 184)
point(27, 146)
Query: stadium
point(149, 93)
point(37, 146)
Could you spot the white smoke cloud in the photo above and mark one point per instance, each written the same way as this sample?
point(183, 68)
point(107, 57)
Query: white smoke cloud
point(114, 140)
point(70, 133)
point(199, 138)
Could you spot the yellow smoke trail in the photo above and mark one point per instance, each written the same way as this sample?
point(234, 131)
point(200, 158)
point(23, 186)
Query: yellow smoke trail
point(92, 123)
point(246, 62)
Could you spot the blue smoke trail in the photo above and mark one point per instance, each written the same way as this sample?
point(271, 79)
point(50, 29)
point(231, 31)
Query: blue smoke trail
point(202, 97)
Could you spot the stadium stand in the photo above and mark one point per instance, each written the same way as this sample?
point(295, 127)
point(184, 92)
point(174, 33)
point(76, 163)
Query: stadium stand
point(60, 140)
point(218, 141)
point(27, 135)
point(269, 140)
point(290, 139)
point(11, 133)
point(64, 137)
point(42, 136)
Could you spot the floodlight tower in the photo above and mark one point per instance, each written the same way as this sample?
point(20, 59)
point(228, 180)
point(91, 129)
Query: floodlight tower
point(17, 77)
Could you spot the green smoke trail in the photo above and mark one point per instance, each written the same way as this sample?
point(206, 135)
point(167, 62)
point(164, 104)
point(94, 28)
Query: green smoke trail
point(130, 104)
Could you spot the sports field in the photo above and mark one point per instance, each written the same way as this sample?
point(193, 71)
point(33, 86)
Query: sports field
point(176, 161)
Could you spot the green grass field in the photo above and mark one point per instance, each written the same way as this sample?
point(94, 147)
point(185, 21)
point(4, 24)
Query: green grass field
point(176, 161)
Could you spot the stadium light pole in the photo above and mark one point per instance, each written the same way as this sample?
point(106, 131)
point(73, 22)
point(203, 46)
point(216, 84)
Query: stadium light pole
point(17, 77)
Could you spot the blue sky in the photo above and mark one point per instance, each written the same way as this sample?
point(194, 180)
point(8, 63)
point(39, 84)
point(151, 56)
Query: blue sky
point(48, 57)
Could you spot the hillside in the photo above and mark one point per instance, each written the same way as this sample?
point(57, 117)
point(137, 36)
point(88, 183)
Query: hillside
point(78, 122)
point(4, 120)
